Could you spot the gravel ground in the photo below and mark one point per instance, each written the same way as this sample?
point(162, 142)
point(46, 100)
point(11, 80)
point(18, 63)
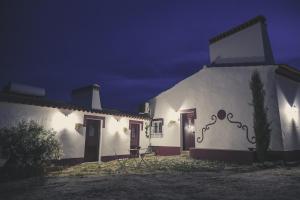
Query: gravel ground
point(276, 183)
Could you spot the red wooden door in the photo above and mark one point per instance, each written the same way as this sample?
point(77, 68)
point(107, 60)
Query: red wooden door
point(92, 140)
point(134, 138)
point(188, 131)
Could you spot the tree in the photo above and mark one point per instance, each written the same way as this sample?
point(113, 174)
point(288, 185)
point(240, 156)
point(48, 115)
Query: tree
point(260, 121)
point(28, 148)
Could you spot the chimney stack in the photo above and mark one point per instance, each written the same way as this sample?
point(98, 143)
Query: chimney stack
point(88, 97)
point(245, 44)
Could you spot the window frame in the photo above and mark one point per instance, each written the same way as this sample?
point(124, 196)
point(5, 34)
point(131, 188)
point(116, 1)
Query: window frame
point(157, 127)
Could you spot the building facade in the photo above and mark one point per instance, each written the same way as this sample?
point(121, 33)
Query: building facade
point(210, 113)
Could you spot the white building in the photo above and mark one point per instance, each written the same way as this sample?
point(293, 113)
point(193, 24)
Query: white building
point(85, 130)
point(209, 113)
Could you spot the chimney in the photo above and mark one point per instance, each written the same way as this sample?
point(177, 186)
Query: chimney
point(25, 90)
point(245, 44)
point(88, 97)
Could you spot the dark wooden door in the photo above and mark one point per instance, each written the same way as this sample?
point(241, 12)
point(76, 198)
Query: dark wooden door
point(188, 131)
point(134, 138)
point(92, 140)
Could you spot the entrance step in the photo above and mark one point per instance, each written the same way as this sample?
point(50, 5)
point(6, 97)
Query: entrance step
point(185, 153)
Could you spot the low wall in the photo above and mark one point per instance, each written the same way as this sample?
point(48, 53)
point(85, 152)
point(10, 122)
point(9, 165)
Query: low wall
point(223, 155)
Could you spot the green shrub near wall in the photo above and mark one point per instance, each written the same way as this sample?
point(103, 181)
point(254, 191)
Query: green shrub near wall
point(260, 121)
point(29, 148)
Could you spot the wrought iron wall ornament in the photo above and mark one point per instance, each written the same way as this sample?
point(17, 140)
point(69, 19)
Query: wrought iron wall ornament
point(221, 116)
point(242, 126)
point(214, 120)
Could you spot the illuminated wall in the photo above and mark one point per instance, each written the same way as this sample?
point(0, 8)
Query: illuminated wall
point(289, 102)
point(210, 90)
point(114, 137)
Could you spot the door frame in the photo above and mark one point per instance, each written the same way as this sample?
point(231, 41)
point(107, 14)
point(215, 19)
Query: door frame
point(182, 112)
point(141, 126)
point(101, 126)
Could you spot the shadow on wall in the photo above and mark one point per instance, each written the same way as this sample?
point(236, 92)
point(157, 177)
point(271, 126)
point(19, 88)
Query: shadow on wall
point(294, 135)
point(66, 142)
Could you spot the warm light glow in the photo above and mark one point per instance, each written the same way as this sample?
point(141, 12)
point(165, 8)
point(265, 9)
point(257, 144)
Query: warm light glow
point(291, 112)
point(115, 126)
point(60, 121)
point(190, 127)
point(171, 114)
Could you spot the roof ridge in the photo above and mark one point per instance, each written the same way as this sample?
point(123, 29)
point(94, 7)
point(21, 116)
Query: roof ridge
point(43, 102)
point(259, 18)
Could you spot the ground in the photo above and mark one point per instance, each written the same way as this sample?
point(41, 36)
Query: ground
point(166, 178)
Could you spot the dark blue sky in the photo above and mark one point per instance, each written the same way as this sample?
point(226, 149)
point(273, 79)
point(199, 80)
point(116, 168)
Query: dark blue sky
point(132, 49)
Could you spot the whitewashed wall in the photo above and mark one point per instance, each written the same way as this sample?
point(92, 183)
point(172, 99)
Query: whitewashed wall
point(114, 139)
point(210, 90)
point(289, 102)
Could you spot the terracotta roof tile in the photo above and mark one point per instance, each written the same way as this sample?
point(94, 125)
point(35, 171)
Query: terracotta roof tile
point(38, 101)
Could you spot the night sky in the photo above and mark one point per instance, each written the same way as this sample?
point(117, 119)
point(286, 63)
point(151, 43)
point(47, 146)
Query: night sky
point(133, 49)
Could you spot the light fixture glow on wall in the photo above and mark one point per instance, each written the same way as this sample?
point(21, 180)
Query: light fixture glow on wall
point(294, 112)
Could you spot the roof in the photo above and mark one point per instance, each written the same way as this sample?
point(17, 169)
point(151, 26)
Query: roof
point(289, 72)
point(238, 28)
point(43, 102)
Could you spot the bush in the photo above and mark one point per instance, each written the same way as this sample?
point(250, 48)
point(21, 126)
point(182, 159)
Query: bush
point(28, 148)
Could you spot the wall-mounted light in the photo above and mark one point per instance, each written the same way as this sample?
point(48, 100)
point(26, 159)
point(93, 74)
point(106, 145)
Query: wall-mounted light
point(294, 112)
point(79, 128)
point(125, 130)
point(171, 122)
point(66, 112)
point(118, 118)
point(291, 112)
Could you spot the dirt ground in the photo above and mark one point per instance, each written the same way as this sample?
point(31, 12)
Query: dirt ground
point(276, 183)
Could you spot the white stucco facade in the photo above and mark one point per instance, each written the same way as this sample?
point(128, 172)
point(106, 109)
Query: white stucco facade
point(114, 137)
point(213, 89)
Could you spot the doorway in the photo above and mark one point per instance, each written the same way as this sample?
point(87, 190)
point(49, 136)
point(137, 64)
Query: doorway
point(134, 139)
point(188, 130)
point(92, 140)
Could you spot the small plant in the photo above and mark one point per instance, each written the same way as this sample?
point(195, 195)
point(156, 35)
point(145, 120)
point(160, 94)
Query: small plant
point(261, 125)
point(28, 148)
point(147, 131)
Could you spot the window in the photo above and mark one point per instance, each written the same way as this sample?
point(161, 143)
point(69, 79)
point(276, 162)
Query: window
point(157, 127)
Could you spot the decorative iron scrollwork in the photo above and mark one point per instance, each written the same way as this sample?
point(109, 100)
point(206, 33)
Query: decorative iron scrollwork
point(214, 120)
point(221, 116)
point(241, 126)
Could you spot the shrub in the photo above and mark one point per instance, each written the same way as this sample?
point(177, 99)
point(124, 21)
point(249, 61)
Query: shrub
point(28, 148)
point(260, 121)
